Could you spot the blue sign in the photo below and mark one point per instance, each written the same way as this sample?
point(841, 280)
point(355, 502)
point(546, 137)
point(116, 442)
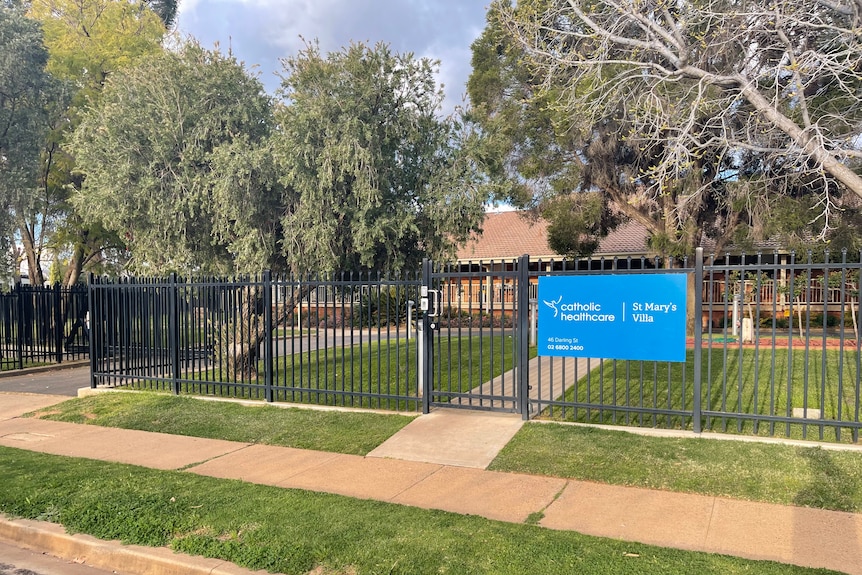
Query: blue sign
point(637, 316)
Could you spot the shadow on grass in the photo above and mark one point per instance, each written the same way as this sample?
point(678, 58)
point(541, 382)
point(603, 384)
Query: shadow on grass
point(830, 486)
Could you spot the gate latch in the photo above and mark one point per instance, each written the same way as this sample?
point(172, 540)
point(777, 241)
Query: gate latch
point(430, 301)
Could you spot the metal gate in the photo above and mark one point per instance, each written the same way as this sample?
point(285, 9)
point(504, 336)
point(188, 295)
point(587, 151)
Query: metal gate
point(474, 334)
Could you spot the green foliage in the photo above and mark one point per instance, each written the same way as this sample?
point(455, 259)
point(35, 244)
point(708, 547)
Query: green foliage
point(521, 150)
point(86, 41)
point(197, 170)
point(23, 82)
point(576, 223)
point(157, 153)
point(166, 10)
point(685, 120)
point(89, 40)
point(374, 178)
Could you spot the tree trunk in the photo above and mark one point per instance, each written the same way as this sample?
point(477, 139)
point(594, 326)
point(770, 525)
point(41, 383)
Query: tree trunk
point(244, 332)
point(34, 260)
point(73, 271)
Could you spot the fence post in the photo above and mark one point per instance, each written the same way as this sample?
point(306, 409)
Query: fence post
point(174, 332)
point(90, 318)
point(22, 325)
point(698, 338)
point(521, 333)
point(426, 373)
point(267, 341)
point(58, 322)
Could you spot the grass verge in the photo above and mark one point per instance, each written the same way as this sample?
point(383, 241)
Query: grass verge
point(811, 477)
point(292, 531)
point(343, 432)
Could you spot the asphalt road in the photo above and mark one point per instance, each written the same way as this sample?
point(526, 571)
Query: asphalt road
point(54, 382)
point(17, 561)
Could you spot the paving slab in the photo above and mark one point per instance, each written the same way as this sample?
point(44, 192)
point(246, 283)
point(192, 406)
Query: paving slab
point(797, 535)
point(452, 437)
point(364, 478)
point(632, 514)
point(509, 497)
point(147, 449)
point(17, 404)
point(762, 531)
point(263, 464)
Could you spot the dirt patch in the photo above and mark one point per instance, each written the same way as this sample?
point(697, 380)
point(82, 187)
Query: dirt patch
point(320, 570)
point(782, 343)
point(46, 413)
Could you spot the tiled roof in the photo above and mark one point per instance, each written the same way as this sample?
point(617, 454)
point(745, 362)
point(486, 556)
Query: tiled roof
point(627, 239)
point(508, 235)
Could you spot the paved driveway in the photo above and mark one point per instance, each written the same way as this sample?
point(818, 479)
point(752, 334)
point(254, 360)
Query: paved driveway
point(54, 382)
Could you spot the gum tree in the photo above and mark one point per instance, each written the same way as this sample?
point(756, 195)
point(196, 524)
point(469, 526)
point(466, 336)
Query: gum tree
point(353, 169)
point(148, 153)
point(760, 97)
point(25, 91)
point(87, 41)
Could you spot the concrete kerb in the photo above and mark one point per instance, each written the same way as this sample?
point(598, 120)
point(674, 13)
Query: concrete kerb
point(45, 368)
point(113, 556)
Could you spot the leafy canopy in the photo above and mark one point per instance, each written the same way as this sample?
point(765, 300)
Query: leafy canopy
point(716, 114)
point(149, 152)
point(374, 178)
point(188, 160)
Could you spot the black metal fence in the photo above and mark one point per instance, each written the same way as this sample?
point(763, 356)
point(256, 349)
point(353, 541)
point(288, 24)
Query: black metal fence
point(42, 325)
point(338, 341)
point(773, 349)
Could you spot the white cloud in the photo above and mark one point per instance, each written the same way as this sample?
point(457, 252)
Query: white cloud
point(264, 31)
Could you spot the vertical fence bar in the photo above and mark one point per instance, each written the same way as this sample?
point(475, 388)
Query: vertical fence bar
point(58, 323)
point(89, 330)
point(174, 333)
point(427, 335)
point(698, 340)
point(522, 337)
point(22, 325)
point(267, 336)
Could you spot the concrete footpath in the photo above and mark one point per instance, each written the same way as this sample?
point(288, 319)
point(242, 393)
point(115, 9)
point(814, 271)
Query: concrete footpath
point(794, 535)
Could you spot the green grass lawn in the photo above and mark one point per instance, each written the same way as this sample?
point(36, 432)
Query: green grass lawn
point(354, 433)
point(12, 365)
point(772, 473)
point(296, 532)
point(735, 381)
point(351, 376)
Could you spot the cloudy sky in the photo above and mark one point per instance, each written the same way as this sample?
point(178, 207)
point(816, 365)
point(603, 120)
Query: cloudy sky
point(260, 32)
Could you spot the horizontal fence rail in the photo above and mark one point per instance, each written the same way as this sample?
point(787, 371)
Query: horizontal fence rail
point(342, 341)
point(42, 325)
